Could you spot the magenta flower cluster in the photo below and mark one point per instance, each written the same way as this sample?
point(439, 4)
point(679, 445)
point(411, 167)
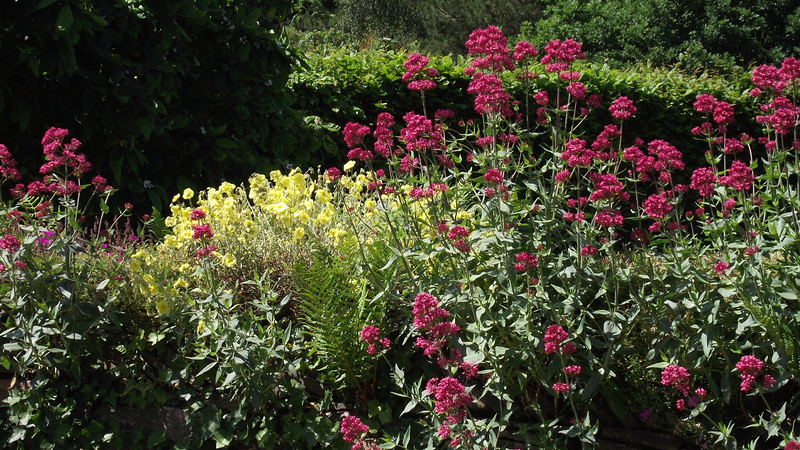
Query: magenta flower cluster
point(560, 54)
point(679, 378)
point(418, 75)
point(8, 165)
point(10, 243)
point(452, 401)
point(749, 368)
point(553, 339)
point(353, 430)
point(372, 336)
point(429, 319)
point(492, 46)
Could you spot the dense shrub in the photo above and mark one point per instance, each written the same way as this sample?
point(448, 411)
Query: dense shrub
point(164, 94)
point(694, 35)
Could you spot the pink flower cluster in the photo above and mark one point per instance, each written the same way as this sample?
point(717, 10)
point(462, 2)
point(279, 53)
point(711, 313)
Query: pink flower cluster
point(661, 158)
point(384, 137)
point(493, 176)
point(609, 218)
point(197, 214)
point(553, 339)
point(420, 134)
point(525, 262)
point(721, 268)
point(739, 177)
point(62, 156)
point(418, 75)
point(452, 400)
point(492, 45)
point(703, 181)
point(603, 144)
point(559, 55)
point(792, 445)
point(524, 50)
point(607, 187)
point(354, 135)
point(622, 108)
point(678, 377)
point(353, 430)
point(458, 236)
point(749, 368)
point(722, 112)
point(8, 166)
point(657, 206)
point(429, 319)
point(491, 97)
point(201, 231)
point(101, 185)
point(770, 77)
point(372, 336)
point(10, 243)
point(784, 115)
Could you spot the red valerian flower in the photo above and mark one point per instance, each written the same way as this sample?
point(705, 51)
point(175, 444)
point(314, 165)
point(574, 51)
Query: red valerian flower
point(622, 108)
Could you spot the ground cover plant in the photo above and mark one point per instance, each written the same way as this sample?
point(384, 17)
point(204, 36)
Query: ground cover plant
point(518, 280)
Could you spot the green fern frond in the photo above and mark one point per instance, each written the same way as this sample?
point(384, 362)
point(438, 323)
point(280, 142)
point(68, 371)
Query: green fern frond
point(334, 307)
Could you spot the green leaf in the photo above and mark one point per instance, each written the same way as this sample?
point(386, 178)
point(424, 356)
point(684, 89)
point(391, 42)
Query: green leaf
point(225, 143)
point(409, 406)
point(660, 365)
point(592, 386)
point(223, 438)
point(229, 379)
point(205, 369)
point(44, 4)
point(64, 19)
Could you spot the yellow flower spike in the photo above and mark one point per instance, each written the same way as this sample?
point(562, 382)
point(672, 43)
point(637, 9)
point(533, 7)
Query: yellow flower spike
point(162, 307)
point(136, 265)
point(201, 327)
point(188, 193)
point(348, 166)
point(180, 283)
point(298, 234)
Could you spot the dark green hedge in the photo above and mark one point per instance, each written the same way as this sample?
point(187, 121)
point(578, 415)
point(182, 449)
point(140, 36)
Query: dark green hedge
point(355, 86)
point(163, 94)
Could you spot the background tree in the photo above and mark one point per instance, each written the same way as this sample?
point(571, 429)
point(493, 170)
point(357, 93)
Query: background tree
point(693, 34)
point(439, 27)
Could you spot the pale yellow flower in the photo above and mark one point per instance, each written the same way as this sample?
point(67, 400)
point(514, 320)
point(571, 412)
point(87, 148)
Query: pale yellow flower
point(229, 260)
point(162, 307)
